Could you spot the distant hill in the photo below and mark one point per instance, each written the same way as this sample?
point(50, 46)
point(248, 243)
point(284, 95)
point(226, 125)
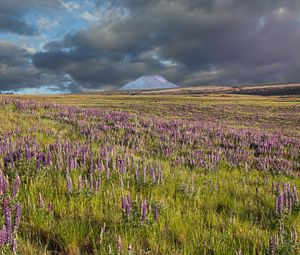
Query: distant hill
point(149, 83)
point(260, 89)
point(285, 89)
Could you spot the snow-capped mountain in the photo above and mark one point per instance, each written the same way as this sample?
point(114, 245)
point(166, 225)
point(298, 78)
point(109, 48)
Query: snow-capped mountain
point(148, 83)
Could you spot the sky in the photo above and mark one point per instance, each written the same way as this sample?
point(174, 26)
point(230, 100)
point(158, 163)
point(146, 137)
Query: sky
point(62, 46)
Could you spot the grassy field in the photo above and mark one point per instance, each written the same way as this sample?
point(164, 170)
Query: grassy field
point(120, 174)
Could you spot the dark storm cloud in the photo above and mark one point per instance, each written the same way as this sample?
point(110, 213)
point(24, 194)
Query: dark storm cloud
point(15, 25)
point(17, 71)
point(12, 12)
point(189, 42)
point(16, 68)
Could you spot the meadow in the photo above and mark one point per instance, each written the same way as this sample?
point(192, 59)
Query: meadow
point(156, 174)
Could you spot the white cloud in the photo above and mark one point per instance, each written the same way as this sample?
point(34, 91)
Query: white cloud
point(165, 62)
point(45, 23)
point(106, 15)
point(69, 6)
point(89, 17)
point(30, 50)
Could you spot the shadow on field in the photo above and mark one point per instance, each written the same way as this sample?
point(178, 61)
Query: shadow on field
point(45, 239)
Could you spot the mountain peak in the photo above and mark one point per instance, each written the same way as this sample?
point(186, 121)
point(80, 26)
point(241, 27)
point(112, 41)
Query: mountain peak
point(148, 83)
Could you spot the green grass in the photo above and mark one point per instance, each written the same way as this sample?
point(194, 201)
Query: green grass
point(202, 212)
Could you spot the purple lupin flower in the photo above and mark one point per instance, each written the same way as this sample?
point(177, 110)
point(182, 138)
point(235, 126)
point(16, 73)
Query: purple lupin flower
point(79, 183)
point(281, 202)
point(50, 207)
point(1, 180)
point(101, 166)
point(16, 186)
point(144, 211)
point(14, 246)
point(18, 216)
point(287, 197)
point(27, 153)
point(107, 169)
point(128, 207)
point(3, 236)
point(8, 225)
point(137, 173)
point(132, 162)
point(98, 184)
point(91, 182)
point(122, 166)
point(290, 204)
point(5, 184)
point(156, 212)
point(284, 185)
point(19, 155)
point(272, 246)
point(69, 184)
point(152, 172)
point(129, 203)
point(4, 205)
point(49, 159)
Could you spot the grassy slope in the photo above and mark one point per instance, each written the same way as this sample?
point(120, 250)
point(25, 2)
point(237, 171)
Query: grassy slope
point(273, 114)
point(204, 213)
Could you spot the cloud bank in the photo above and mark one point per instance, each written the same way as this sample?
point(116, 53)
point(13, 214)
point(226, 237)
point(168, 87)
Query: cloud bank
point(189, 42)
